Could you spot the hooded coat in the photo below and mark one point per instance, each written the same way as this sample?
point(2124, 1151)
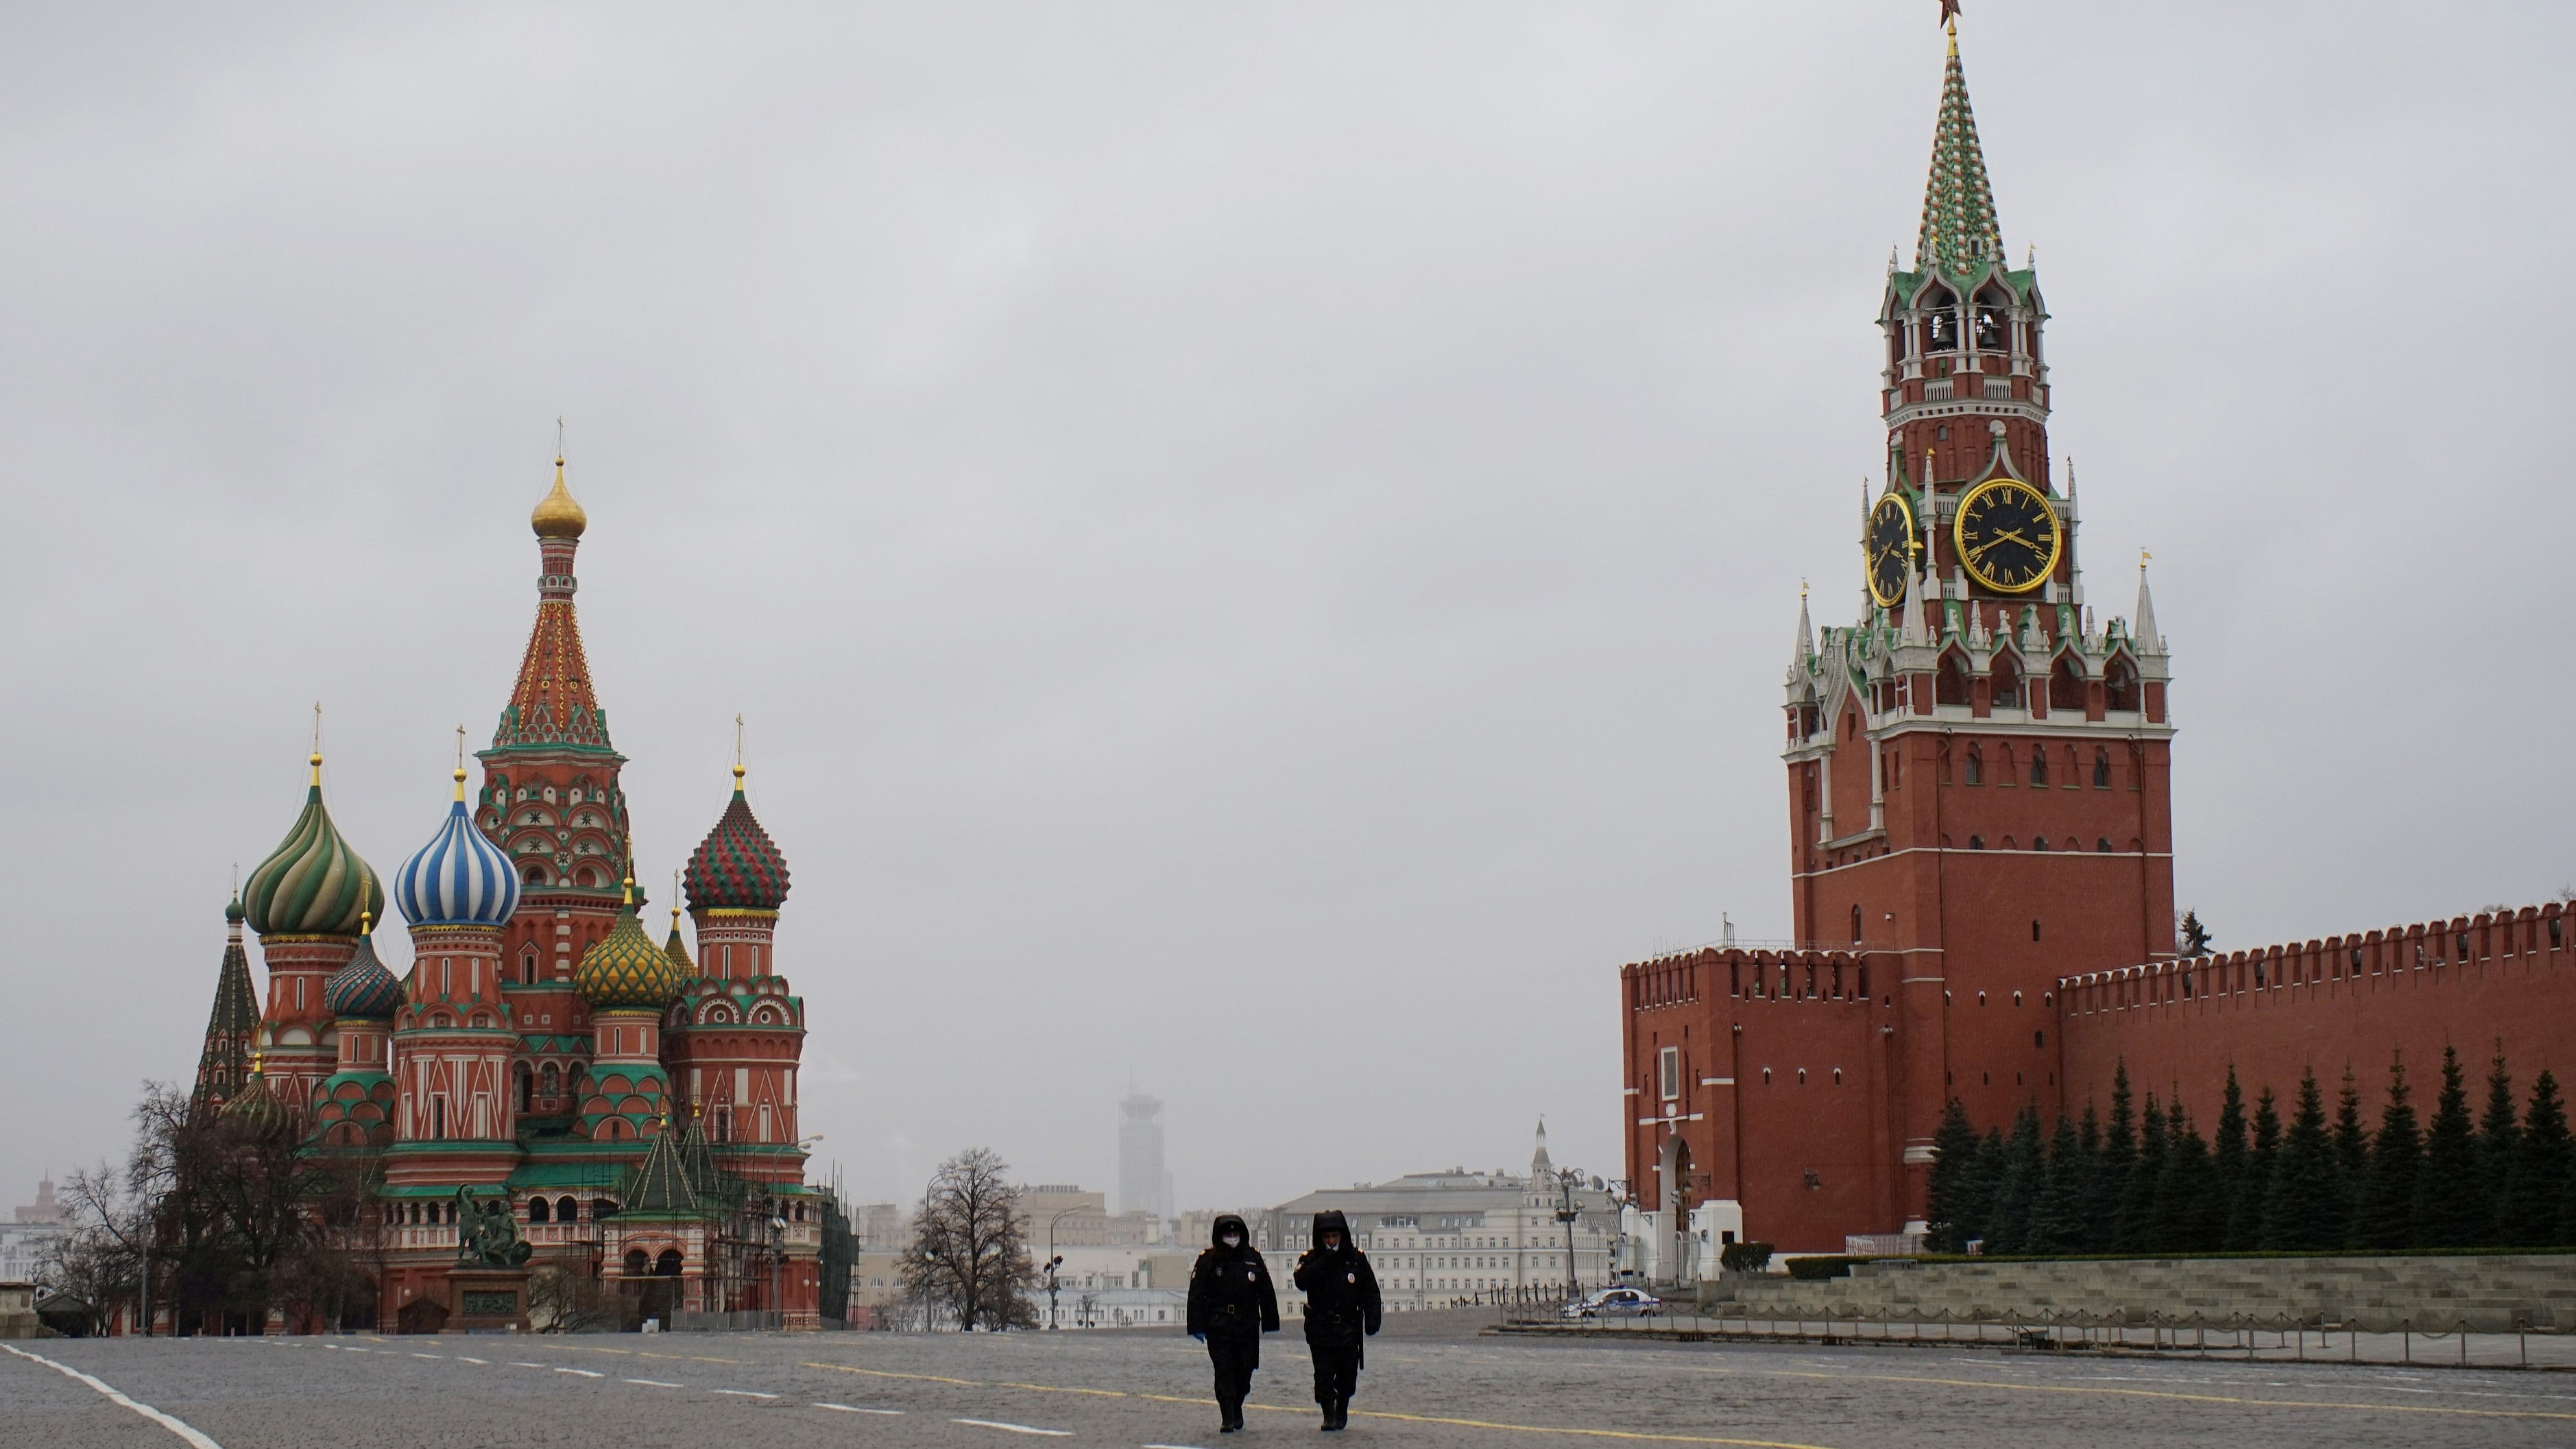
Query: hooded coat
point(1342, 1304)
point(1230, 1291)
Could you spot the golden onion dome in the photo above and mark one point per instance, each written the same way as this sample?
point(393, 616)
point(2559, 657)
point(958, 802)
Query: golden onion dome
point(557, 515)
point(624, 970)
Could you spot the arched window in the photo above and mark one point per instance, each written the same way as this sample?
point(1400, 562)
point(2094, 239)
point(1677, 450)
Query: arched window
point(1855, 924)
point(1941, 320)
point(2004, 683)
point(551, 1083)
point(531, 873)
point(539, 1210)
point(587, 877)
point(2039, 842)
point(1976, 842)
point(1950, 686)
point(527, 1084)
point(2039, 764)
point(1993, 321)
point(528, 966)
point(2065, 686)
point(1976, 765)
point(668, 1265)
point(2101, 769)
point(2009, 845)
point(2120, 684)
point(2102, 846)
point(567, 1209)
point(635, 1262)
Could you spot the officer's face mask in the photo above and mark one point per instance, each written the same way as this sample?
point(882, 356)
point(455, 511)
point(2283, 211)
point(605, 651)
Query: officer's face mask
point(1333, 1240)
point(1232, 1240)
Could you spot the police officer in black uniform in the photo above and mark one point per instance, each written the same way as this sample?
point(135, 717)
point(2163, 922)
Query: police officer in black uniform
point(1342, 1309)
point(1231, 1306)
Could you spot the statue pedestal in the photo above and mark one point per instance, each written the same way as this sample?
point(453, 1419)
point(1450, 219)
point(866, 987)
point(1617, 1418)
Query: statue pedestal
point(487, 1298)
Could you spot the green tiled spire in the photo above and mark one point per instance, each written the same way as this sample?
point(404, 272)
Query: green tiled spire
point(1960, 234)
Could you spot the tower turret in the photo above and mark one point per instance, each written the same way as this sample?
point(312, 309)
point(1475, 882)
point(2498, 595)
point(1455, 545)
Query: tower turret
point(741, 1031)
point(232, 1026)
point(308, 901)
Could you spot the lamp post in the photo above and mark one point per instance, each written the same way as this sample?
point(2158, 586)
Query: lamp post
point(1055, 1260)
point(1566, 1180)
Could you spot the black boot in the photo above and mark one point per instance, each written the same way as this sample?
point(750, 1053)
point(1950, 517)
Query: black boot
point(1229, 1417)
point(1337, 1414)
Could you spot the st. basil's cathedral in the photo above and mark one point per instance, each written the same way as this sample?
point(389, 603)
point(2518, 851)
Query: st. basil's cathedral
point(632, 1104)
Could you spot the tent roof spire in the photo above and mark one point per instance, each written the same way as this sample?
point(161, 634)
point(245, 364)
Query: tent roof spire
point(1960, 234)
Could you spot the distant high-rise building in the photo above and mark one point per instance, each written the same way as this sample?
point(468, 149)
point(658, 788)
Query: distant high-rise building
point(1142, 1183)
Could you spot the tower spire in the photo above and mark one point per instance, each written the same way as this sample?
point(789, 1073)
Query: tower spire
point(551, 704)
point(2143, 628)
point(1959, 233)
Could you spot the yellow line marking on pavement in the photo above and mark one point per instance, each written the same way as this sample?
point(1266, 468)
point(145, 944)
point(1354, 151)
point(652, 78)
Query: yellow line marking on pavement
point(842, 1368)
point(2346, 1406)
point(1365, 1413)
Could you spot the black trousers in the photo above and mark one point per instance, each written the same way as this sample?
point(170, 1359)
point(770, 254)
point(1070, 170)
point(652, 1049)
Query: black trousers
point(1337, 1372)
point(1235, 1357)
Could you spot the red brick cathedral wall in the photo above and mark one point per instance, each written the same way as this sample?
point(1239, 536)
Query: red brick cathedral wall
point(2475, 983)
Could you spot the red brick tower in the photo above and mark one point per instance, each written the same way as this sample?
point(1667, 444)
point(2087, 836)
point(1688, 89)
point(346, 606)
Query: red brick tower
point(551, 800)
point(1976, 769)
point(738, 1032)
point(308, 901)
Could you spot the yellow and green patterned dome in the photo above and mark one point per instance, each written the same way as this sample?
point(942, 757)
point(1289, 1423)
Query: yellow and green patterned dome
point(625, 970)
point(313, 884)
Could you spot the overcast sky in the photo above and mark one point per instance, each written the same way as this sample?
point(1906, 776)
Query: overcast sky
point(1257, 544)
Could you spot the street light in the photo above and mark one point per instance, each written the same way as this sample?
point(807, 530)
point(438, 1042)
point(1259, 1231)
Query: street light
point(1567, 1179)
point(1054, 1261)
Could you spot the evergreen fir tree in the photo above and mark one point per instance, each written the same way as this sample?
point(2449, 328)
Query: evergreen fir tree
point(2386, 1219)
point(2535, 1214)
point(2254, 1198)
point(2056, 1221)
point(2108, 1194)
point(2499, 1147)
point(2451, 1209)
point(2303, 1211)
point(2138, 1194)
point(2084, 1235)
point(2017, 1190)
point(2228, 1155)
point(2190, 1212)
point(1987, 1185)
point(1954, 1170)
point(2352, 1160)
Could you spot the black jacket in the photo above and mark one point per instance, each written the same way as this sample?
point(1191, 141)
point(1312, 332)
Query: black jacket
point(1230, 1291)
point(1341, 1289)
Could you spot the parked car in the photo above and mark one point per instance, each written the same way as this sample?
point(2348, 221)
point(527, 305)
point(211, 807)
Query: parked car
point(1616, 1303)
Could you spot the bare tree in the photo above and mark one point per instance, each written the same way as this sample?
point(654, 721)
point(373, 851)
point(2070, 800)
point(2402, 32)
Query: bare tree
point(967, 1256)
point(563, 1300)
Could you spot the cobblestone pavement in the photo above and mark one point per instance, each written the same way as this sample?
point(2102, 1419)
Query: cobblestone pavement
point(365, 1392)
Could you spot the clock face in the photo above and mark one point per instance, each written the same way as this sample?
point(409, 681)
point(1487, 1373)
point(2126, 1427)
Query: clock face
point(2007, 535)
point(1888, 549)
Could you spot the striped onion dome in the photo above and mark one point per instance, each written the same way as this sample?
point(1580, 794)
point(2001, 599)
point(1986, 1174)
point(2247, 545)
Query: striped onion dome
point(737, 867)
point(459, 878)
point(363, 990)
point(257, 1107)
point(313, 884)
point(624, 970)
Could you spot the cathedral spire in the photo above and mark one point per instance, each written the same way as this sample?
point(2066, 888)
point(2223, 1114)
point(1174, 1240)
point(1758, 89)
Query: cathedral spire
point(223, 1068)
point(551, 705)
point(1959, 234)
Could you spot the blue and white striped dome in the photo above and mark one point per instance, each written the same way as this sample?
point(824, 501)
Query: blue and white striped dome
point(459, 878)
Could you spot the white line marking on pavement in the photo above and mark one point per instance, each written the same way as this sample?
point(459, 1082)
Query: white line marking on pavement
point(353, 1348)
point(1014, 1428)
point(175, 1426)
point(429, 1355)
point(853, 1409)
point(651, 1383)
point(743, 1393)
point(514, 1363)
point(585, 1373)
point(1171, 1446)
point(462, 1358)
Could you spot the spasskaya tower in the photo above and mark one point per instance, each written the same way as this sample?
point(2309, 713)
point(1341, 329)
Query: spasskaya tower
point(1976, 766)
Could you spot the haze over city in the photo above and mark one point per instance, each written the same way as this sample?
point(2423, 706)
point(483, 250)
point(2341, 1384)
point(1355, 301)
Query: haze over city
point(1255, 549)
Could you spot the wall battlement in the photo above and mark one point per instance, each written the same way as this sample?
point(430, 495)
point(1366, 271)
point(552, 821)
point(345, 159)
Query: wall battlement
point(2480, 985)
point(1745, 974)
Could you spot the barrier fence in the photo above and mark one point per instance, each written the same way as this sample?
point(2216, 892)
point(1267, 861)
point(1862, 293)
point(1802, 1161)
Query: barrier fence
point(2429, 1340)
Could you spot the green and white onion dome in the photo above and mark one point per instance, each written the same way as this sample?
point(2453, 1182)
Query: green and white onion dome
point(313, 884)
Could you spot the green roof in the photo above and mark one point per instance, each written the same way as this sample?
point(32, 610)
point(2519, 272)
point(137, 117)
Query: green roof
point(1959, 233)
